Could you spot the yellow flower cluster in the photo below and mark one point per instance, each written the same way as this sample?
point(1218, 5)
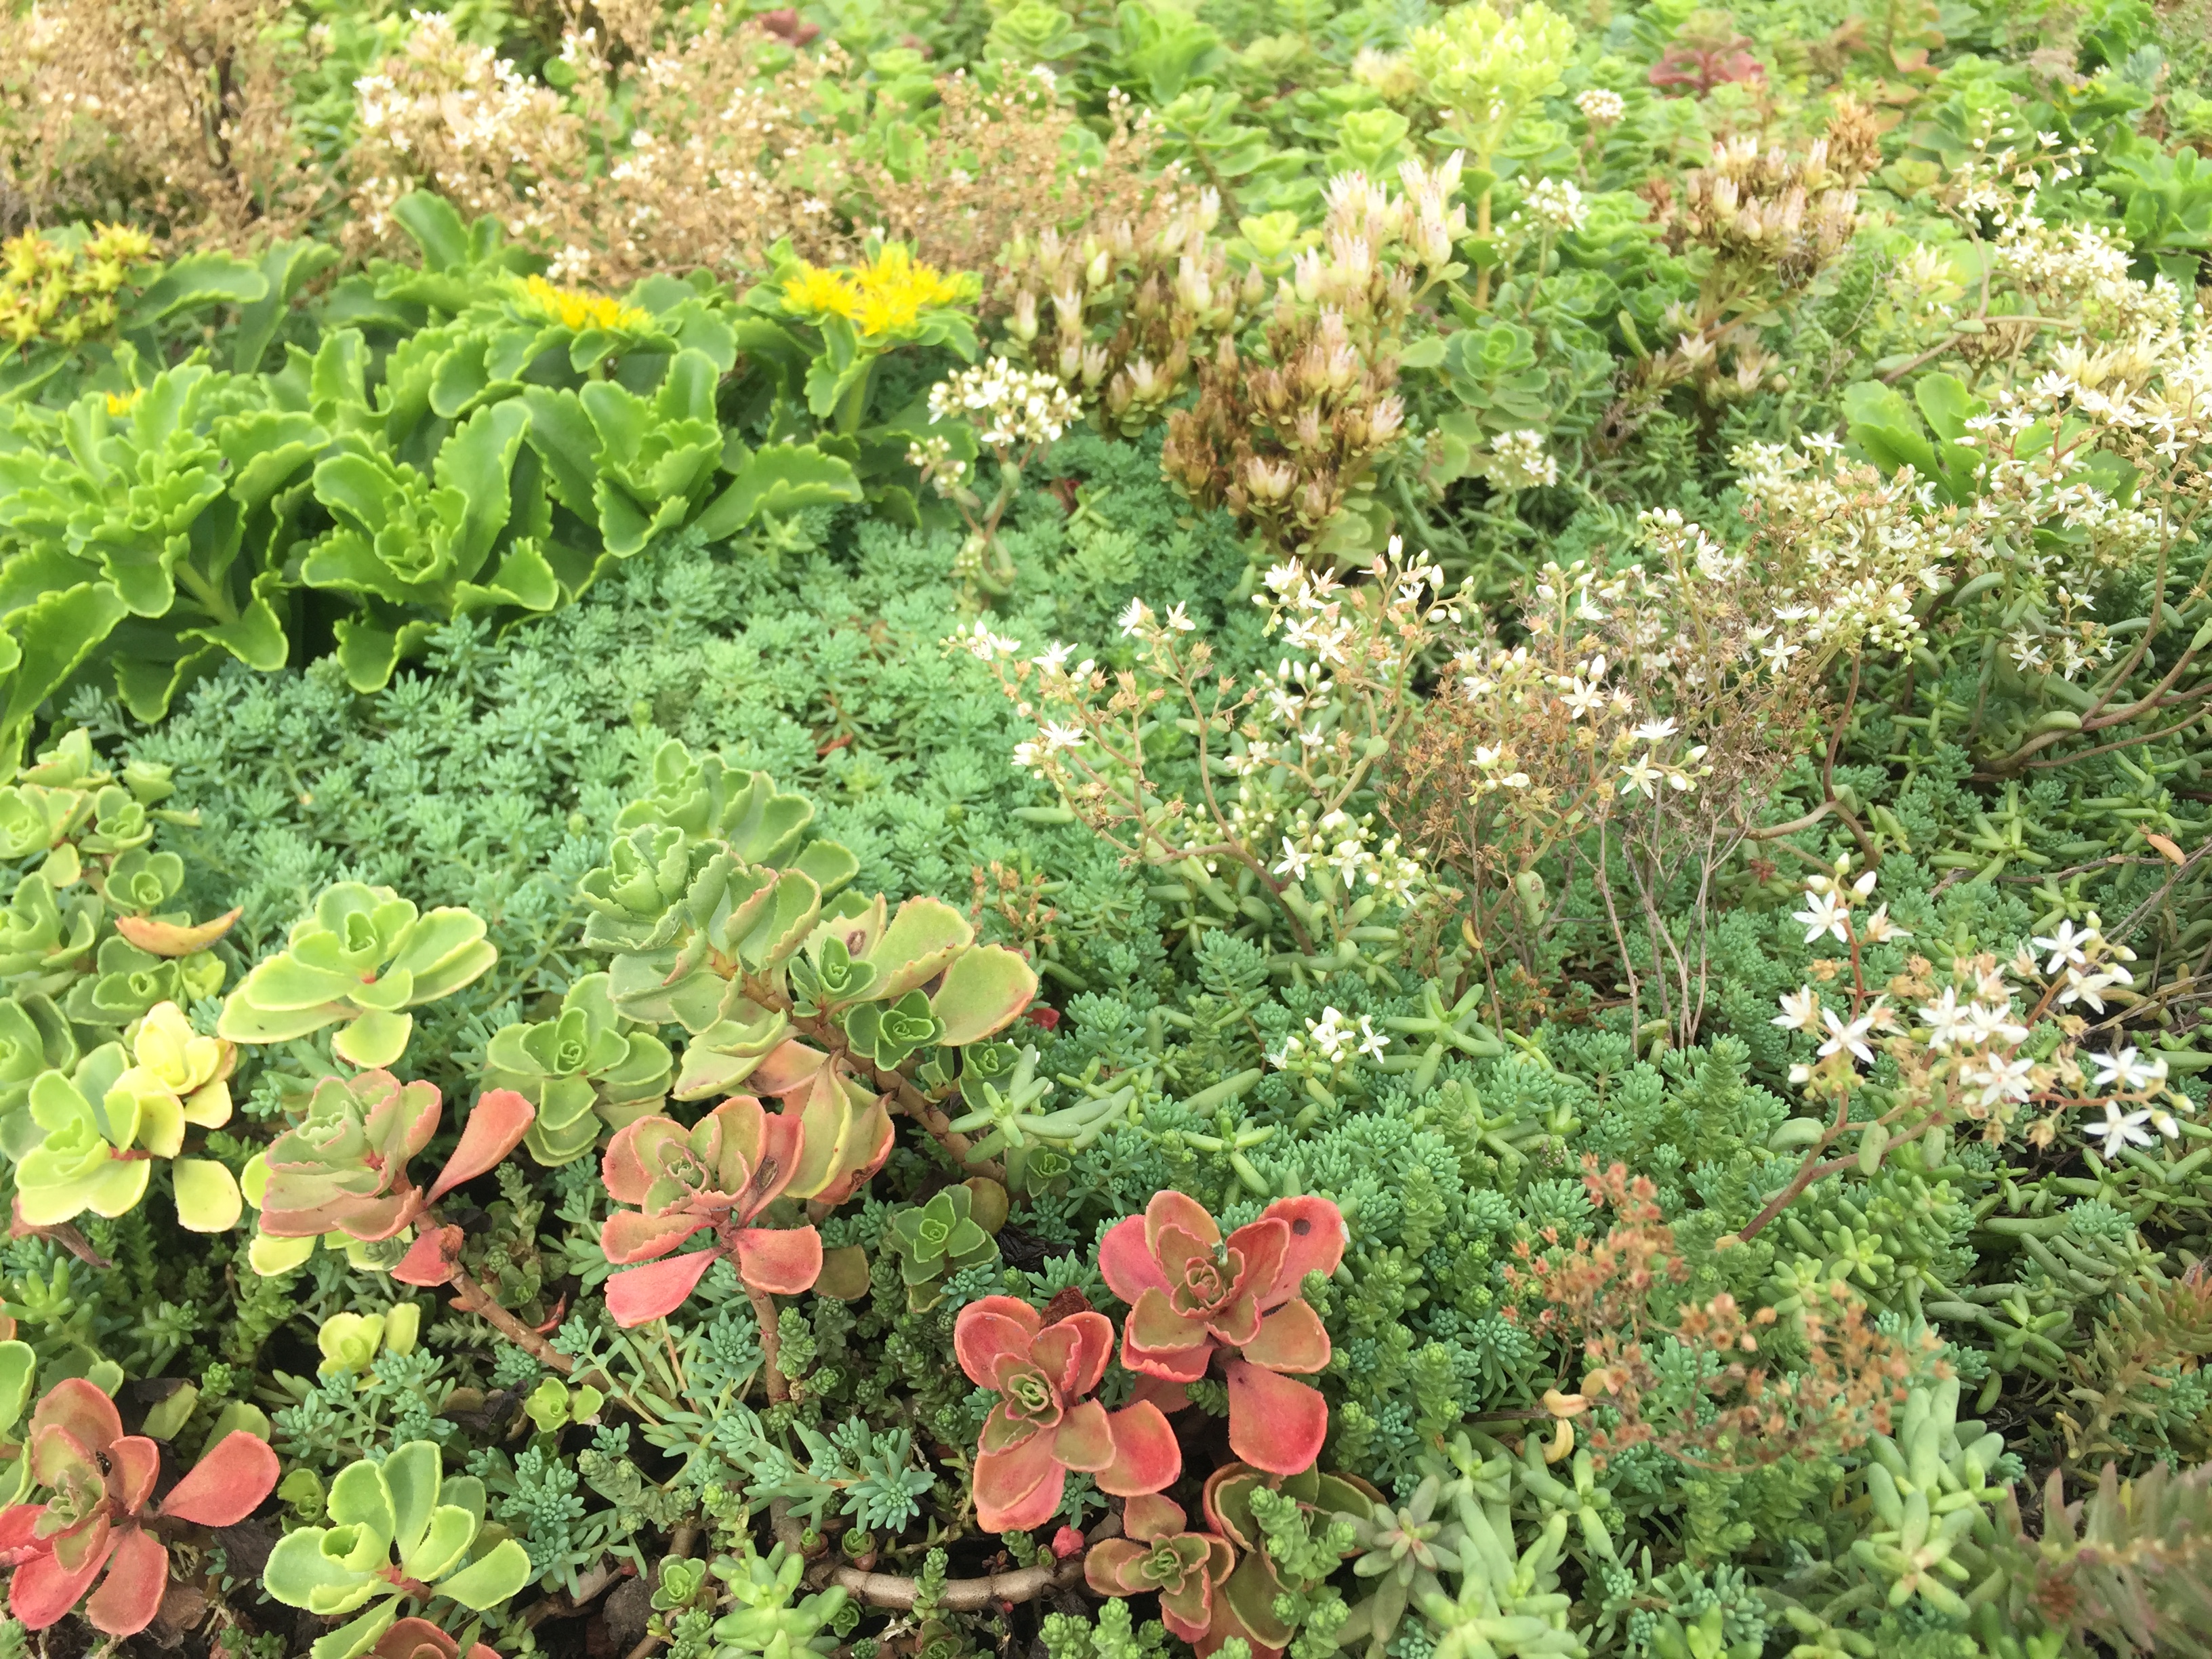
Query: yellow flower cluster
point(49, 290)
point(883, 297)
point(573, 309)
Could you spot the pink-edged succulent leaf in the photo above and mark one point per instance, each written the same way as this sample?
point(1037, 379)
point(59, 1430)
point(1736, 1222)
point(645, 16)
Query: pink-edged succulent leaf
point(984, 991)
point(627, 1166)
point(1151, 1517)
point(1125, 1260)
point(79, 1409)
point(1115, 1567)
point(1084, 1439)
point(1169, 1397)
point(1018, 1490)
point(226, 1485)
point(494, 1128)
point(657, 1289)
point(1317, 1236)
point(1073, 1351)
point(43, 1589)
point(1147, 1455)
point(782, 1260)
point(134, 1465)
point(430, 1260)
point(990, 1333)
point(626, 1236)
point(1290, 1338)
point(130, 1594)
point(789, 1067)
point(1274, 1424)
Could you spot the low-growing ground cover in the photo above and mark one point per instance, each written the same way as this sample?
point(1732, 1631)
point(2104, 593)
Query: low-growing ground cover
point(1272, 828)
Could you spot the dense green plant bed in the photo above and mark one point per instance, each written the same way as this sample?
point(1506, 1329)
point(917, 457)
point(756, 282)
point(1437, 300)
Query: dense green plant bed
point(1093, 832)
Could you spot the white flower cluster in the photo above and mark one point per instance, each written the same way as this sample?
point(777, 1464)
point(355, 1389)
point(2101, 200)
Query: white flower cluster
point(1519, 460)
point(1971, 1044)
point(1863, 548)
point(1601, 106)
point(1011, 407)
point(1333, 1039)
point(1557, 204)
point(934, 458)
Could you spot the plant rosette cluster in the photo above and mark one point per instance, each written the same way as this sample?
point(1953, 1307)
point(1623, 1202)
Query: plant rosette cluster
point(340, 1176)
point(360, 960)
point(1045, 1421)
point(105, 1124)
point(99, 1484)
point(399, 1529)
point(1197, 1300)
point(722, 1176)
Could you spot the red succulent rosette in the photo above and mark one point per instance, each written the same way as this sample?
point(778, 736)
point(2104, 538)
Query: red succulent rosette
point(720, 1175)
point(1045, 1422)
point(1159, 1553)
point(100, 1482)
point(1191, 1293)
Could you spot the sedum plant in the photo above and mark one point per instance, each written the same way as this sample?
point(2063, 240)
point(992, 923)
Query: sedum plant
point(1157, 1554)
point(723, 1175)
point(101, 1125)
point(91, 1540)
point(360, 960)
point(1298, 847)
point(340, 1174)
point(585, 1069)
point(1192, 1294)
point(399, 1531)
point(1044, 1422)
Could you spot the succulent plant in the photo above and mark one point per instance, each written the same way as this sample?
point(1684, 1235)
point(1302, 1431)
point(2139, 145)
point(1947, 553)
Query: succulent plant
point(1246, 1606)
point(586, 1066)
point(34, 1037)
point(723, 916)
point(937, 1239)
point(91, 1528)
point(127, 981)
point(1191, 1294)
point(100, 1126)
point(363, 957)
point(722, 1175)
point(341, 1171)
point(766, 1620)
point(1157, 1554)
point(1404, 1550)
point(1045, 1422)
point(418, 1638)
point(349, 1342)
point(398, 1529)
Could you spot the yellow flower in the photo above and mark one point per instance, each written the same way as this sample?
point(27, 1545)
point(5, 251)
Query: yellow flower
point(896, 289)
point(573, 309)
point(818, 291)
point(122, 402)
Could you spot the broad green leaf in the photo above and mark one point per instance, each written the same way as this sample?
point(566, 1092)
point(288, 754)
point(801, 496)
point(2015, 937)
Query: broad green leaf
point(350, 1641)
point(197, 279)
point(779, 478)
point(410, 1476)
point(208, 1199)
point(436, 228)
point(359, 1497)
point(985, 990)
point(485, 1584)
point(477, 460)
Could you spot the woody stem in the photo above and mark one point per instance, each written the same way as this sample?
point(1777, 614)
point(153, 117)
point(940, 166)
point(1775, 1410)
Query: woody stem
point(470, 1297)
point(779, 1387)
